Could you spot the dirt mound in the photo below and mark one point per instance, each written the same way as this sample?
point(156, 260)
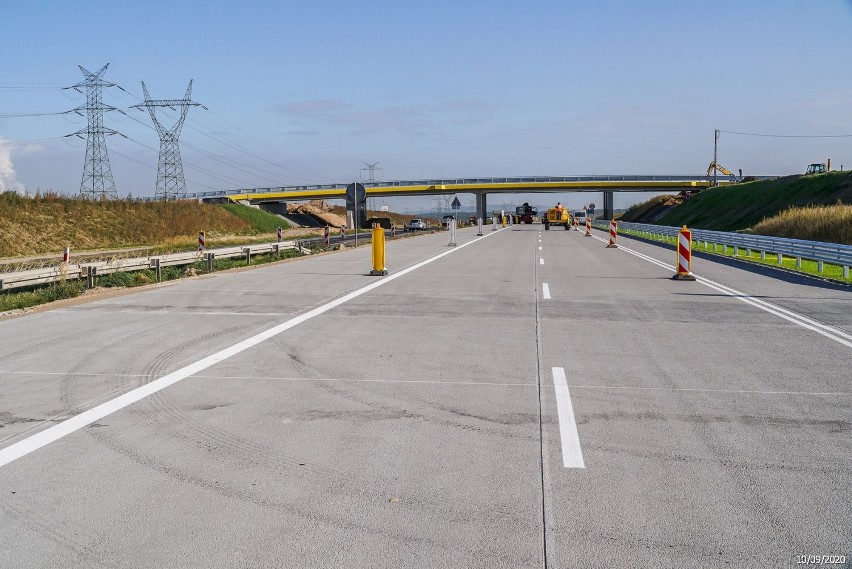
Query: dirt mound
point(318, 209)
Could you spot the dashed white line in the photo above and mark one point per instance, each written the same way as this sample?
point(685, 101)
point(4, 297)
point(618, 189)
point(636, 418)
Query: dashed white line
point(572, 454)
point(545, 291)
point(539, 247)
point(541, 261)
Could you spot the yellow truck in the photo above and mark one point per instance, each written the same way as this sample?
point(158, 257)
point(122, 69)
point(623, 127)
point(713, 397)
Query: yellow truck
point(556, 216)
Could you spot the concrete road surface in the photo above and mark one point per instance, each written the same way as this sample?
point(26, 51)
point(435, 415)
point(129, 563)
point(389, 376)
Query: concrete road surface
point(526, 399)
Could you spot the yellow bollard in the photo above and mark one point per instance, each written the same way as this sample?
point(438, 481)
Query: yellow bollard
point(378, 252)
point(504, 221)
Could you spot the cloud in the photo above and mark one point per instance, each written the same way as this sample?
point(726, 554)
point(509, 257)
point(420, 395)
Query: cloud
point(415, 120)
point(317, 106)
point(8, 176)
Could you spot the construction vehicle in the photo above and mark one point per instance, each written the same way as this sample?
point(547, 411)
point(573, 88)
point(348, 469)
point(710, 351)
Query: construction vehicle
point(525, 213)
point(722, 170)
point(557, 216)
point(816, 169)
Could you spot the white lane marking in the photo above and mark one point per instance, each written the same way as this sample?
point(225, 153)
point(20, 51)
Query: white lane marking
point(794, 317)
point(539, 247)
point(545, 291)
point(572, 454)
point(56, 432)
point(541, 261)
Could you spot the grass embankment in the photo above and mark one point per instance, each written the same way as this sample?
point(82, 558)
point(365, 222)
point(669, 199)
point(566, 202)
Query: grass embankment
point(742, 206)
point(47, 222)
point(831, 223)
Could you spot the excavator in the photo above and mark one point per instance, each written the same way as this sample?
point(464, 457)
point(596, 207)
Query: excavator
point(720, 168)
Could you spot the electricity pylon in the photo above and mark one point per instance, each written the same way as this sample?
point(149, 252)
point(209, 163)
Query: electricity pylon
point(97, 179)
point(170, 181)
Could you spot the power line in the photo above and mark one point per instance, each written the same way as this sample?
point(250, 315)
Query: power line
point(16, 115)
point(788, 135)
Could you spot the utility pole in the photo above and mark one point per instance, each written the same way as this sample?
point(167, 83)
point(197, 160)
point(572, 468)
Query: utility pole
point(715, 163)
point(171, 184)
point(97, 182)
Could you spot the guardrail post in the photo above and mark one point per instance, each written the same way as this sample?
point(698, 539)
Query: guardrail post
point(684, 256)
point(763, 255)
point(157, 269)
point(736, 251)
point(210, 257)
point(378, 242)
point(748, 252)
point(798, 262)
point(91, 274)
point(820, 266)
point(780, 259)
point(247, 252)
point(277, 247)
point(479, 225)
point(845, 271)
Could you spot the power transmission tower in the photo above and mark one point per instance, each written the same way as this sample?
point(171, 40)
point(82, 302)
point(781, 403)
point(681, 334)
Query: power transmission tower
point(171, 184)
point(97, 179)
point(371, 176)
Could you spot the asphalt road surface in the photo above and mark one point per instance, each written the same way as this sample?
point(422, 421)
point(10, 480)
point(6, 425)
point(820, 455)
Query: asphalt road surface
point(527, 399)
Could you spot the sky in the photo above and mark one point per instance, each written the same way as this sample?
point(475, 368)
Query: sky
point(308, 92)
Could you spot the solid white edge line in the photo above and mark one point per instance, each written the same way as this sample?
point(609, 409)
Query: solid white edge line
point(545, 291)
point(572, 454)
point(823, 329)
point(56, 432)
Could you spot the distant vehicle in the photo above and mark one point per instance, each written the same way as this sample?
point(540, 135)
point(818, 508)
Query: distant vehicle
point(557, 216)
point(445, 222)
point(525, 213)
point(416, 225)
point(580, 216)
point(816, 169)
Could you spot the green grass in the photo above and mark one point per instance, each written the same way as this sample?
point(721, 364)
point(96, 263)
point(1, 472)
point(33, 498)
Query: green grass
point(834, 272)
point(740, 206)
point(261, 221)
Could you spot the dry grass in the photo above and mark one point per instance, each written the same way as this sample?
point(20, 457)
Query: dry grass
point(47, 222)
point(830, 223)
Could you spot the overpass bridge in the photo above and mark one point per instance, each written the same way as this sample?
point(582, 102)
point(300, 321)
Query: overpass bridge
point(480, 187)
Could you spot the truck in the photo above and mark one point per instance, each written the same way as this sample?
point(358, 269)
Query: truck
point(525, 213)
point(557, 216)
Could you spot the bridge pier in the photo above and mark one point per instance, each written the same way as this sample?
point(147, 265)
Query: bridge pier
point(608, 205)
point(481, 205)
point(275, 208)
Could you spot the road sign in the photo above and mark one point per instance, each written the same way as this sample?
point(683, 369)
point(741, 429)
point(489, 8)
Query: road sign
point(356, 193)
point(592, 206)
point(456, 204)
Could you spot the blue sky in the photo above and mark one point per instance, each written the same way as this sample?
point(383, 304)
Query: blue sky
point(305, 92)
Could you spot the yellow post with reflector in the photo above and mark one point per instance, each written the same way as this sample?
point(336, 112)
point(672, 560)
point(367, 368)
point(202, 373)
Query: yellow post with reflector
point(378, 252)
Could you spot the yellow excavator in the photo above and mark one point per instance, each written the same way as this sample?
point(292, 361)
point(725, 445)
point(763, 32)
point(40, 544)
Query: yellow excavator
point(720, 168)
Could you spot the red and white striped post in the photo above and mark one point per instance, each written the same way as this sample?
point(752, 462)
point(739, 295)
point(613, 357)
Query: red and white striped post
point(326, 236)
point(393, 229)
point(613, 234)
point(576, 224)
point(201, 241)
point(588, 227)
point(684, 256)
point(280, 234)
point(66, 255)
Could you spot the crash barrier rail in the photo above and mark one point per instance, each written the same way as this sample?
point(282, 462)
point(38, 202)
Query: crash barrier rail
point(819, 251)
point(92, 269)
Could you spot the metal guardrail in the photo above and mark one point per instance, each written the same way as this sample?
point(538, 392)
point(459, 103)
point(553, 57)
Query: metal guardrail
point(819, 251)
point(46, 275)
